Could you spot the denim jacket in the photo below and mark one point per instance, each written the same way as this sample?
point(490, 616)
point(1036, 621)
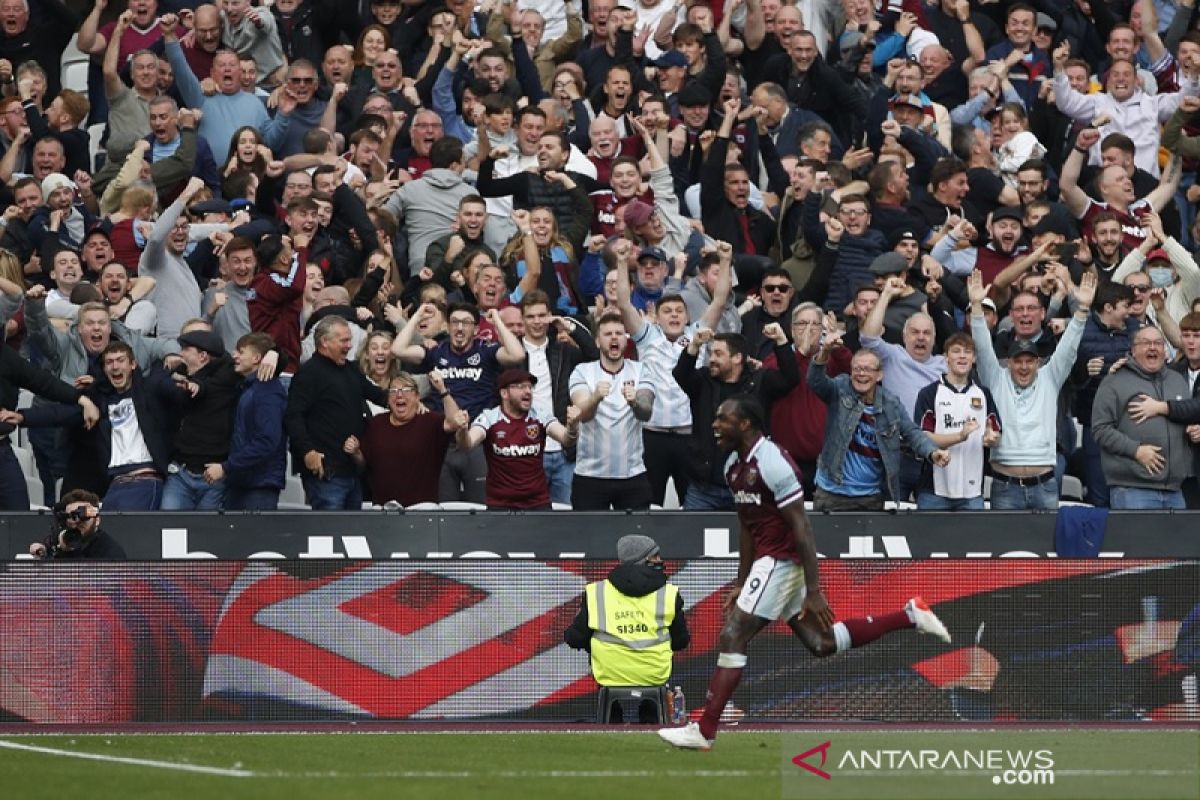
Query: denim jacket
point(893, 427)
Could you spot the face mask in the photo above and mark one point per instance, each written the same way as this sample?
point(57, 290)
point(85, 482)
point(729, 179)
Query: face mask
point(658, 566)
point(1160, 277)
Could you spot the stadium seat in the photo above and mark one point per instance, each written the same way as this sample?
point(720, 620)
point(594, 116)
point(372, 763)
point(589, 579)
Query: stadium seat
point(630, 698)
point(33, 485)
point(671, 498)
point(423, 507)
point(96, 152)
point(462, 505)
point(25, 459)
point(75, 76)
point(561, 506)
point(1072, 487)
point(292, 496)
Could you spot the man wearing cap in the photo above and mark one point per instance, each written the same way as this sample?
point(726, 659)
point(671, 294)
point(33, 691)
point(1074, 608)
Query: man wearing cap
point(514, 437)
point(653, 278)
point(660, 224)
point(206, 425)
point(632, 621)
point(1105, 345)
point(60, 218)
point(177, 295)
point(900, 298)
point(1004, 245)
point(1026, 397)
point(671, 76)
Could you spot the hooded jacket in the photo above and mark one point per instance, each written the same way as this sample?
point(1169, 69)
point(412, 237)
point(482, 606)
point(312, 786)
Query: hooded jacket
point(426, 207)
point(634, 580)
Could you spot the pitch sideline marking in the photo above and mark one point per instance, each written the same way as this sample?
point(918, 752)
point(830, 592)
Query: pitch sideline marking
point(734, 773)
point(137, 762)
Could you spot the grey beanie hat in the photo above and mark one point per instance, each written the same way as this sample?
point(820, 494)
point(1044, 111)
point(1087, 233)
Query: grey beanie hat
point(635, 548)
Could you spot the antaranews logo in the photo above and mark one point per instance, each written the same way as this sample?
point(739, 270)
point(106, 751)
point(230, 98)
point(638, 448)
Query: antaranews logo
point(800, 761)
point(1003, 766)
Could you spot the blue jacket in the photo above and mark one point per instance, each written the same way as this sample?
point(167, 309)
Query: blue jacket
point(894, 429)
point(258, 448)
point(855, 254)
point(1098, 340)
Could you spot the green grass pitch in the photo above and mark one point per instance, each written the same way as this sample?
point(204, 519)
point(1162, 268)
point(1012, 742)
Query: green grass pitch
point(629, 764)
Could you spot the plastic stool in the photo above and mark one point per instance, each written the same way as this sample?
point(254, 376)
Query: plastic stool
point(630, 700)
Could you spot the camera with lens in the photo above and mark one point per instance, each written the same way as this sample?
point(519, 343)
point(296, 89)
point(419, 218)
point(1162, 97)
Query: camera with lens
point(69, 536)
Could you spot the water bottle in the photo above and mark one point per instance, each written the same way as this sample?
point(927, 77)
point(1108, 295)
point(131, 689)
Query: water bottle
point(678, 707)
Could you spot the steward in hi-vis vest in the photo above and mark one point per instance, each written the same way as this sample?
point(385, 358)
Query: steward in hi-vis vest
point(632, 621)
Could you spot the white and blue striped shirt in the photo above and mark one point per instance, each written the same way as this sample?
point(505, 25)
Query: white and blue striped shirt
point(610, 444)
point(658, 355)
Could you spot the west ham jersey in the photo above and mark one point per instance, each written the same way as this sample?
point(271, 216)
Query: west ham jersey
point(513, 445)
point(766, 481)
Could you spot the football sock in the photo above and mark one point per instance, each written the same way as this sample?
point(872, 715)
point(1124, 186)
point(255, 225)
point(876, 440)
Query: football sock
point(857, 632)
point(720, 688)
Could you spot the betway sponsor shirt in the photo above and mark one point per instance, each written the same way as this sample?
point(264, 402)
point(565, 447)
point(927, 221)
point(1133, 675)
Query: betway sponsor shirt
point(514, 446)
point(766, 481)
point(470, 375)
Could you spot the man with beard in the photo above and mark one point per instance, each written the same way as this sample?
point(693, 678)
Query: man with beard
point(402, 451)
point(514, 435)
point(470, 367)
point(1116, 191)
point(549, 186)
point(451, 252)
point(126, 298)
point(988, 191)
point(728, 373)
point(1005, 233)
point(890, 196)
point(615, 399)
point(177, 295)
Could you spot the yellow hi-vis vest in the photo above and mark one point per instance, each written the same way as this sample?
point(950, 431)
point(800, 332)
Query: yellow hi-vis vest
point(631, 643)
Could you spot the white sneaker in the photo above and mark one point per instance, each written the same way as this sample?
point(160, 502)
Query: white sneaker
point(926, 621)
point(688, 737)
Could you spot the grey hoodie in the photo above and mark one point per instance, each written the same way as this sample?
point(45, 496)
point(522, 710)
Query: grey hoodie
point(426, 208)
point(1119, 436)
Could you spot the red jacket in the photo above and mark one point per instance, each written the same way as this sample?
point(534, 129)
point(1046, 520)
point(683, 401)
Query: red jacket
point(798, 420)
point(275, 302)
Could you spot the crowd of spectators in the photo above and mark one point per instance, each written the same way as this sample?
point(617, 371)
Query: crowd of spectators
point(516, 253)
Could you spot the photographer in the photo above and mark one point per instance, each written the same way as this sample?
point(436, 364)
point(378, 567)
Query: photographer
point(76, 532)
